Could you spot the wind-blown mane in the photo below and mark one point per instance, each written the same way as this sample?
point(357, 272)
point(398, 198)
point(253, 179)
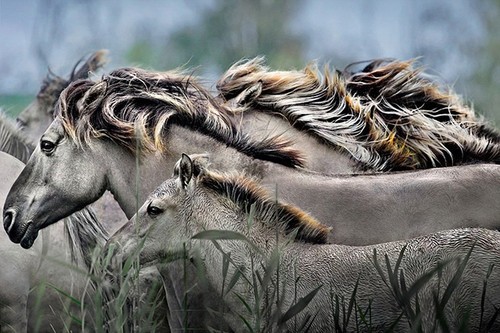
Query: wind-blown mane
point(387, 117)
point(250, 196)
point(132, 104)
point(12, 141)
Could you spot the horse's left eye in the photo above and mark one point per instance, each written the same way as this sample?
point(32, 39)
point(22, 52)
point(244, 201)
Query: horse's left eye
point(47, 146)
point(153, 210)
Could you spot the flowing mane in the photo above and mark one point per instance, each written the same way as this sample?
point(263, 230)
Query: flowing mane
point(247, 194)
point(85, 233)
point(12, 141)
point(132, 104)
point(389, 116)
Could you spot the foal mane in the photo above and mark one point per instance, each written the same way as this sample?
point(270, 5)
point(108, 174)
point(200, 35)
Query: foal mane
point(132, 104)
point(389, 116)
point(248, 195)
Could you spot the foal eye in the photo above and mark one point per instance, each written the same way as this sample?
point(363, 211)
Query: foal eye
point(153, 210)
point(47, 146)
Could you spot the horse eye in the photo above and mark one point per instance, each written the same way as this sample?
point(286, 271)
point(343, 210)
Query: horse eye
point(47, 146)
point(153, 210)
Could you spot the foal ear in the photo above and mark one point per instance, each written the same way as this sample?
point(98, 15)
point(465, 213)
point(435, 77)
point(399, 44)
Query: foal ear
point(185, 170)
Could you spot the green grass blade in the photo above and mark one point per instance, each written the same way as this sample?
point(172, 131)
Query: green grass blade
point(302, 303)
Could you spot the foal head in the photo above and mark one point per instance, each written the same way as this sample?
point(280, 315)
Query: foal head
point(198, 199)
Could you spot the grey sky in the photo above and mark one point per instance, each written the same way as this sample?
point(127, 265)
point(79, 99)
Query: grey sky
point(36, 34)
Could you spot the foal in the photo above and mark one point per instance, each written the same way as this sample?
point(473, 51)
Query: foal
point(268, 262)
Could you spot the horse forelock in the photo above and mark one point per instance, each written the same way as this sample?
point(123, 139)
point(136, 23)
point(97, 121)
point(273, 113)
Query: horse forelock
point(53, 85)
point(132, 105)
point(249, 196)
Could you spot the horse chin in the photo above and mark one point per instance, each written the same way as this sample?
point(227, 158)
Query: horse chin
point(29, 236)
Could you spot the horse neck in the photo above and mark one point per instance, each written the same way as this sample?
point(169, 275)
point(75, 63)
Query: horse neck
point(132, 178)
point(184, 140)
point(231, 218)
point(320, 157)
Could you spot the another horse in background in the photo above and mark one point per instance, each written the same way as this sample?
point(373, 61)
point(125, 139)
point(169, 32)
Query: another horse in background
point(35, 119)
point(388, 116)
point(12, 141)
point(267, 263)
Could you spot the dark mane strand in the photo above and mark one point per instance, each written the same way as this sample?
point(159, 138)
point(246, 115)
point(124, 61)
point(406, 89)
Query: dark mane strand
point(247, 194)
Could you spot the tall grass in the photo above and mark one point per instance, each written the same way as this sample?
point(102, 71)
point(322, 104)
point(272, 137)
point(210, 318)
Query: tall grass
point(127, 300)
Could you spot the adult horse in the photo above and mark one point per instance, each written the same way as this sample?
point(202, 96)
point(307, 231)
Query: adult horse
point(42, 283)
point(388, 116)
point(232, 228)
point(43, 286)
point(34, 120)
point(123, 132)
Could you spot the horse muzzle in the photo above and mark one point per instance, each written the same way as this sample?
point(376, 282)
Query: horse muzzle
point(24, 234)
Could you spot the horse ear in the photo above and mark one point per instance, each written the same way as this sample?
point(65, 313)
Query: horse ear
point(93, 63)
point(185, 170)
point(248, 95)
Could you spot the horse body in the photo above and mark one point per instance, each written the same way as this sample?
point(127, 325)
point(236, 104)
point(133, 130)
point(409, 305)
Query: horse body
point(394, 206)
point(198, 201)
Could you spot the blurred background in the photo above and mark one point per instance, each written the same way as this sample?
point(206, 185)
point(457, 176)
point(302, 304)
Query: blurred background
point(456, 40)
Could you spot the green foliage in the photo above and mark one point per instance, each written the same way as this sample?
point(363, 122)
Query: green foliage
point(227, 32)
point(143, 54)
point(485, 83)
point(14, 104)
point(130, 311)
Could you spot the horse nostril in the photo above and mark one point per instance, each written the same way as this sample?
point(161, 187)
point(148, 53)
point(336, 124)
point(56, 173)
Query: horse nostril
point(8, 220)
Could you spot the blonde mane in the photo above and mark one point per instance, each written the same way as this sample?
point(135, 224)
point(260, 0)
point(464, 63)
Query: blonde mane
point(132, 105)
point(248, 195)
point(388, 116)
